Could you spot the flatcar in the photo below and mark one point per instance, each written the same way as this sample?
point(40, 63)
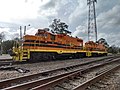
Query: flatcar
point(45, 45)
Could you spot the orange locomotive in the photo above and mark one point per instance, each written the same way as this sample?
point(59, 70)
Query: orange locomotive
point(45, 45)
point(54, 44)
point(95, 48)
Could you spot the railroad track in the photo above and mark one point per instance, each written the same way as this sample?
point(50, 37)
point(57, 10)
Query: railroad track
point(9, 62)
point(5, 63)
point(10, 65)
point(43, 78)
point(87, 84)
point(64, 82)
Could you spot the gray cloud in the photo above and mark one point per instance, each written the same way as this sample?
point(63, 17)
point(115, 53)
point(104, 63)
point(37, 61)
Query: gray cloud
point(50, 4)
point(108, 20)
point(75, 13)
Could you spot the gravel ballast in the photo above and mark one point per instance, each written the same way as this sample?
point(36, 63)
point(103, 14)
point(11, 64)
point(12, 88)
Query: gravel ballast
point(42, 66)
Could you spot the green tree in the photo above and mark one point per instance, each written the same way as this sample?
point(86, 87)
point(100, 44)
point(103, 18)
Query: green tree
point(2, 36)
point(59, 27)
point(103, 41)
point(7, 45)
point(113, 49)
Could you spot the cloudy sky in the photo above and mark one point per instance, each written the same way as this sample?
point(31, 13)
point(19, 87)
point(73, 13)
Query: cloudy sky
point(40, 13)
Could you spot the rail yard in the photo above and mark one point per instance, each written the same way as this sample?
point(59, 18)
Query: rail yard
point(54, 59)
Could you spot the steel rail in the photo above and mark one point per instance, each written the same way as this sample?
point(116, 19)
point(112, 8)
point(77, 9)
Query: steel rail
point(6, 59)
point(8, 82)
point(5, 63)
point(55, 82)
point(95, 79)
point(44, 84)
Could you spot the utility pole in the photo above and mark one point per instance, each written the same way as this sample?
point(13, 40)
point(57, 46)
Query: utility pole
point(25, 29)
point(92, 27)
point(20, 36)
point(24, 33)
point(20, 32)
point(1, 46)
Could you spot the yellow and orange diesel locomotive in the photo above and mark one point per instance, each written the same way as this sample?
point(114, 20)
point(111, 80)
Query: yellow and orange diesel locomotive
point(45, 45)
